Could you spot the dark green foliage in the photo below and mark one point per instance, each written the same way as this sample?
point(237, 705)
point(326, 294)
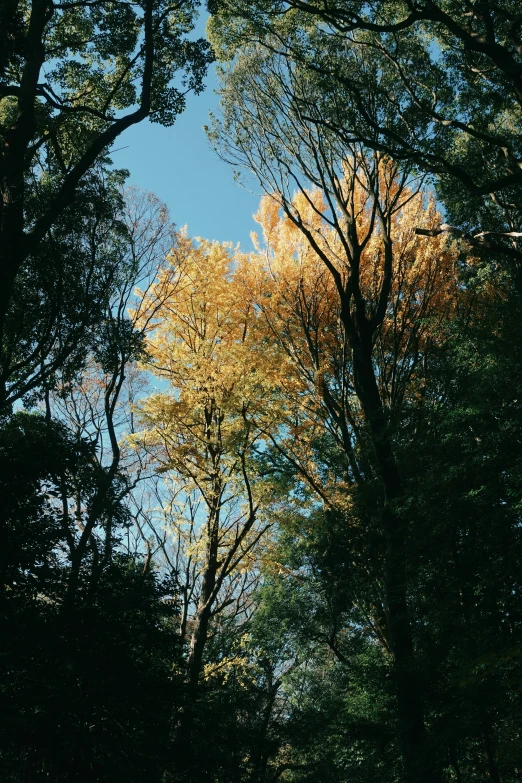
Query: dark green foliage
point(73, 77)
point(460, 456)
point(435, 85)
point(466, 542)
point(87, 689)
point(340, 713)
point(63, 292)
point(87, 695)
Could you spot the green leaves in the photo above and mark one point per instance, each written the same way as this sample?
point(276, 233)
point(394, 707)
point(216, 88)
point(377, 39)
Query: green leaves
point(437, 88)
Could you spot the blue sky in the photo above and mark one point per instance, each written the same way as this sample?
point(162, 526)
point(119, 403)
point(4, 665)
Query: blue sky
point(178, 165)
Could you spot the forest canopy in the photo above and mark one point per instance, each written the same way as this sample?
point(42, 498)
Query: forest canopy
point(260, 508)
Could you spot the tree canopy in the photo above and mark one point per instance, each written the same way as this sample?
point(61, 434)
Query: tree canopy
point(260, 509)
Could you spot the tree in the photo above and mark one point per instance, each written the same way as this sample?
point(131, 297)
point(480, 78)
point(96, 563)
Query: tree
point(77, 677)
point(68, 89)
point(300, 306)
point(363, 197)
point(336, 695)
point(201, 435)
point(459, 503)
point(414, 82)
point(436, 86)
point(101, 615)
point(90, 403)
point(465, 493)
point(58, 295)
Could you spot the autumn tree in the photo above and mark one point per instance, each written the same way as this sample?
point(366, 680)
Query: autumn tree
point(260, 520)
point(201, 434)
point(270, 129)
point(325, 439)
point(297, 296)
point(324, 579)
point(364, 194)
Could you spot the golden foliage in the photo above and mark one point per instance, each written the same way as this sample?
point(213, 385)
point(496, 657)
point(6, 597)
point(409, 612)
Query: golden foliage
point(291, 282)
point(297, 294)
point(254, 346)
point(201, 429)
point(198, 342)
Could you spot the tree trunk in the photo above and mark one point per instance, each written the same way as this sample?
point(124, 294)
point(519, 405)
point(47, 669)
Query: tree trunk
point(197, 646)
point(184, 758)
point(489, 750)
point(13, 250)
point(418, 763)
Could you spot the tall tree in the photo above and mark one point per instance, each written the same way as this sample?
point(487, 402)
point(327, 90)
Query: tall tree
point(363, 196)
point(73, 77)
point(67, 581)
point(60, 295)
point(435, 85)
point(201, 436)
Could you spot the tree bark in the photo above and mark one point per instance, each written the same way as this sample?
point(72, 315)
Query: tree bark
point(200, 632)
point(184, 756)
point(418, 763)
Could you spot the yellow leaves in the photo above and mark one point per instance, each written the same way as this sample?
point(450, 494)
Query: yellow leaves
point(268, 218)
point(253, 347)
point(297, 295)
point(198, 340)
point(296, 331)
point(197, 549)
point(238, 665)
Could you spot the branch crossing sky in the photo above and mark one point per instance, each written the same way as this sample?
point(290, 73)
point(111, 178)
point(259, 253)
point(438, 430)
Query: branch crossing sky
point(178, 165)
